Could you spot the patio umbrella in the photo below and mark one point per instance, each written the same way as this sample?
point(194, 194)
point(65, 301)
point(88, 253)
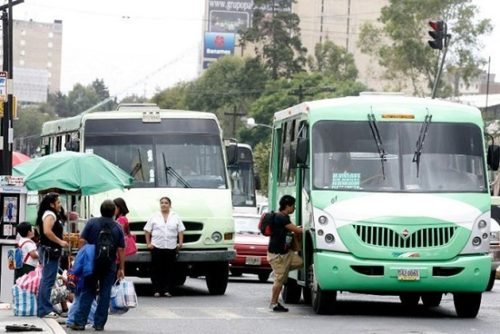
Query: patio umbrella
point(18, 157)
point(85, 173)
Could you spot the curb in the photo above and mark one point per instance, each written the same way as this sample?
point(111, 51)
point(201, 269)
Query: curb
point(54, 326)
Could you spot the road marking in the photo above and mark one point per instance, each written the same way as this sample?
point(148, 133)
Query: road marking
point(222, 314)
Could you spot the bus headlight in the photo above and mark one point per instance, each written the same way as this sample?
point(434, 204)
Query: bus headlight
point(482, 224)
point(322, 220)
point(485, 235)
point(476, 241)
point(329, 238)
point(216, 236)
point(320, 232)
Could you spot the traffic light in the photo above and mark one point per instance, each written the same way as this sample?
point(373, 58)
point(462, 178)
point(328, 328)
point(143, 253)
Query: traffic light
point(438, 34)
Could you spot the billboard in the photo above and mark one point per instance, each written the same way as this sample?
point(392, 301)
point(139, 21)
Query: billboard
point(235, 15)
point(218, 44)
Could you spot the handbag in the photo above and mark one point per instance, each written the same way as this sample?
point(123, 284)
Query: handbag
point(130, 245)
point(23, 302)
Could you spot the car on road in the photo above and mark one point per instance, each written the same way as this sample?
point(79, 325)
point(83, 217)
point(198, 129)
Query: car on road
point(251, 248)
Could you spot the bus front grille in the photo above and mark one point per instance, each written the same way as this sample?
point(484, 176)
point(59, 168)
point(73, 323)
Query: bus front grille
point(423, 238)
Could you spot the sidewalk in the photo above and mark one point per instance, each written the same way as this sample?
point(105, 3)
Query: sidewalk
point(7, 318)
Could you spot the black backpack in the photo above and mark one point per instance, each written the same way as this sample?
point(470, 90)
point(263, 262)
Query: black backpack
point(105, 249)
point(265, 223)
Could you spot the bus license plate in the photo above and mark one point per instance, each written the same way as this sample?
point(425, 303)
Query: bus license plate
point(408, 274)
point(252, 260)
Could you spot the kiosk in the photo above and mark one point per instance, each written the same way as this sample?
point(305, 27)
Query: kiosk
point(13, 209)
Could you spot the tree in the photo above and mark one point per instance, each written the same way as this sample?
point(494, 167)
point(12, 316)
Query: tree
point(28, 126)
point(400, 43)
point(172, 98)
point(333, 60)
point(275, 33)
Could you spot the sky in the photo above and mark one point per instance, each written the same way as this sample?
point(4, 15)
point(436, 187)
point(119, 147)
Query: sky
point(139, 47)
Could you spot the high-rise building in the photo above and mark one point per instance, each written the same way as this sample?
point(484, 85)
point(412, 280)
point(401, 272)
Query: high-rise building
point(37, 53)
point(337, 20)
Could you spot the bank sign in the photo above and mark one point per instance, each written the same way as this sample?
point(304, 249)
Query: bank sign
point(218, 44)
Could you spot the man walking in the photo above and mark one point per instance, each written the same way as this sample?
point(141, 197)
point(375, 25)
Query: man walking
point(279, 252)
point(109, 239)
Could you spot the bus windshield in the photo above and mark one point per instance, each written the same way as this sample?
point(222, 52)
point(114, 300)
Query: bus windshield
point(162, 159)
point(346, 156)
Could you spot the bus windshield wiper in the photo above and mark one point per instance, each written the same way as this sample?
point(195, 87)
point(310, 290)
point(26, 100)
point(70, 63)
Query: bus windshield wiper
point(420, 141)
point(171, 171)
point(138, 166)
point(378, 140)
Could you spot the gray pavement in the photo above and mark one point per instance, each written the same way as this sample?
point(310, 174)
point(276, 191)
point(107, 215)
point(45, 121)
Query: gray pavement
point(47, 325)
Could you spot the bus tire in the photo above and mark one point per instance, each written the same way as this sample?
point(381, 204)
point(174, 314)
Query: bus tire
point(409, 299)
point(291, 292)
point(432, 299)
point(322, 302)
point(491, 282)
point(217, 277)
point(467, 304)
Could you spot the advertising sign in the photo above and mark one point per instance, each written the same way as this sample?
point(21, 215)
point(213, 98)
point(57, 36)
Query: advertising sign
point(3, 85)
point(218, 44)
point(236, 15)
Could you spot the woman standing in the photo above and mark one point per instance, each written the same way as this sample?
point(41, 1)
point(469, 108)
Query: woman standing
point(121, 212)
point(164, 234)
point(51, 241)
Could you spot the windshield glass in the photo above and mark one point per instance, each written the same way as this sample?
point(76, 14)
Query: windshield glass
point(246, 225)
point(177, 160)
point(346, 157)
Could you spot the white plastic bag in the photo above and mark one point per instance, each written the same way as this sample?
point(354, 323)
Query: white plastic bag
point(123, 297)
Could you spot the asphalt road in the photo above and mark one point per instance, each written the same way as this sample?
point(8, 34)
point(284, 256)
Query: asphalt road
point(244, 309)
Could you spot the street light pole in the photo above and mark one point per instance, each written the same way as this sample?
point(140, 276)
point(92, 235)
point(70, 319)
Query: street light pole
point(251, 124)
point(8, 61)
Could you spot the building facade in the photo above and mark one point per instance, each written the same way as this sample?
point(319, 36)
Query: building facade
point(37, 52)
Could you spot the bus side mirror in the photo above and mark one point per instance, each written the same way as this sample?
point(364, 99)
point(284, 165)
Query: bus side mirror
point(493, 157)
point(301, 151)
point(232, 155)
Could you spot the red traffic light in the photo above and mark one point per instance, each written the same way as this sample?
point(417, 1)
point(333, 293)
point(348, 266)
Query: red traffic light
point(437, 34)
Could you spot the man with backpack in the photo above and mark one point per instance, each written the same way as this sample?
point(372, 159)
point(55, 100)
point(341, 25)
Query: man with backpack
point(107, 236)
point(280, 253)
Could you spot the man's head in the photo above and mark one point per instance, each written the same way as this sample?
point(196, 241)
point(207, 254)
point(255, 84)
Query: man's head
point(24, 230)
point(108, 208)
point(287, 204)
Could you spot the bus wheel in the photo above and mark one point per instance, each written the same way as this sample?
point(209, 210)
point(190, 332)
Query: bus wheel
point(467, 304)
point(291, 292)
point(432, 299)
point(306, 294)
point(217, 277)
point(323, 302)
point(491, 282)
point(409, 299)
point(263, 277)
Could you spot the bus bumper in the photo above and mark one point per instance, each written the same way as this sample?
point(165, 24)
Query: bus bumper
point(206, 255)
point(343, 272)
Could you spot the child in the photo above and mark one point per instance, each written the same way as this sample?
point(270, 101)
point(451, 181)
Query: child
point(29, 249)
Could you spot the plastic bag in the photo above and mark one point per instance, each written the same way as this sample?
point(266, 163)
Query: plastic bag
point(123, 297)
point(23, 302)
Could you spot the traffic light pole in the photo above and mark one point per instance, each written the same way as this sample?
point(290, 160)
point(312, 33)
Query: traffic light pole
point(8, 61)
point(440, 70)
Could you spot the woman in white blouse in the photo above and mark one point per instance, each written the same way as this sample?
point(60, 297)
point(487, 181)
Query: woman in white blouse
point(164, 234)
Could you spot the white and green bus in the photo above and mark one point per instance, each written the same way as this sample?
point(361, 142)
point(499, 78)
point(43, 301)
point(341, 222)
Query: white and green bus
point(179, 154)
point(393, 196)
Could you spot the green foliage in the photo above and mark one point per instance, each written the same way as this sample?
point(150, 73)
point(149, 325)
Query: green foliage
point(134, 99)
point(334, 61)
point(172, 98)
point(400, 43)
point(275, 33)
point(262, 153)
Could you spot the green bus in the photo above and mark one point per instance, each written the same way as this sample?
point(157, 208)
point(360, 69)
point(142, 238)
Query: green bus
point(174, 153)
point(393, 196)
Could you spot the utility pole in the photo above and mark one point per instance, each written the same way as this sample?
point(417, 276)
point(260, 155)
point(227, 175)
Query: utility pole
point(8, 61)
point(234, 114)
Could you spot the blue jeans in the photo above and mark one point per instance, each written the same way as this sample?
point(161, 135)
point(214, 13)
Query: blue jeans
point(49, 273)
point(105, 282)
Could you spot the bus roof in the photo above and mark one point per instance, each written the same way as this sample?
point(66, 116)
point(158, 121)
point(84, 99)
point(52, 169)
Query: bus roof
point(376, 100)
point(71, 124)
